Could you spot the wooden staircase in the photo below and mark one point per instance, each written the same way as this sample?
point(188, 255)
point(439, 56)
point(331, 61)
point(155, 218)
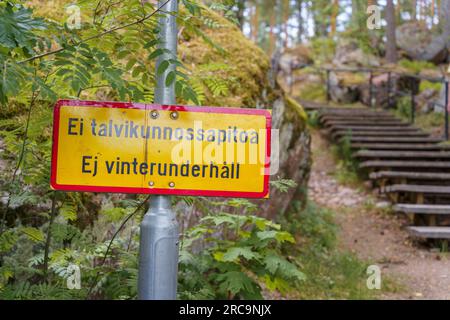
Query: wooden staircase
point(404, 163)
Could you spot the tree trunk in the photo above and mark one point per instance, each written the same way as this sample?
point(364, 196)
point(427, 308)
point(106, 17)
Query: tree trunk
point(333, 18)
point(433, 11)
point(286, 9)
point(272, 33)
point(444, 19)
point(300, 21)
point(240, 13)
point(359, 17)
point(391, 45)
point(255, 22)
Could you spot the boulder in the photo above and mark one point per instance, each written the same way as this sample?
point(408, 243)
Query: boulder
point(420, 43)
point(294, 160)
point(380, 90)
point(438, 105)
point(348, 54)
point(344, 86)
point(425, 100)
point(295, 58)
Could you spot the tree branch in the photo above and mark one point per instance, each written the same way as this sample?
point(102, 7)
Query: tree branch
point(49, 53)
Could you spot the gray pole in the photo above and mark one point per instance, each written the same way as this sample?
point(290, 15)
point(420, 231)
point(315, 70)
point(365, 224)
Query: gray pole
point(158, 253)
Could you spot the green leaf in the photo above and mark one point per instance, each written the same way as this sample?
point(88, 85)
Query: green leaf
point(69, 212)
point(233, 254)
point(283, 185)
point(279, 236)
point(192, 7)
point(220, 219)
point(170, 78)
point(276, 264)
point(151, 43)
point(265, 235)
point(17, 25)
point(45, 90)
point(155, 54)
point(130, 64)
point(11, 80)
point(8, 240)
point(163, 67)
point(136, 71)
point(33, 234)
point(238, 282)
point(122, 54)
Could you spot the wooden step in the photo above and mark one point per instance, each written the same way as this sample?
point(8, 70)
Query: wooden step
point(352, 111)
point(399, 146)
point(414, 188)
point(422, 208)
point(341, 133)
point(430, 232)
point(312, 105)
point(375, 128)
point(401, 154)
point(437, 176)
point(358, 114)
point(365, 123)
point(405, 164)
point(372, 117)
point(331, 121)
point(395, 139)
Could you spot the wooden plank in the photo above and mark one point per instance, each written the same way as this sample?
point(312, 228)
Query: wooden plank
point(379, 134)
point(350, 111)
point(401, 154)
point(372, 116)
point(422, 208)
point(365, 119)
point(366, 123)
point(399, 146)
point(405, 164)
point(430, 232)
point(312, 105)
point(414, 188)
point(375, 128)
point(330, 123)
point(396, 139)
point(440, 176)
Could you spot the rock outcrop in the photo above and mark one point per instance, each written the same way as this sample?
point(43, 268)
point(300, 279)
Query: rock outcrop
point(345, 86)
point(419, 43)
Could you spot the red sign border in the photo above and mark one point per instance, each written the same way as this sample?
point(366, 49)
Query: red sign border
point(181, 192)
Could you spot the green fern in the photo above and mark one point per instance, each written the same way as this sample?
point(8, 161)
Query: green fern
point(8, 239)
point(217, 87)
point(33, 234)
point(210, 23)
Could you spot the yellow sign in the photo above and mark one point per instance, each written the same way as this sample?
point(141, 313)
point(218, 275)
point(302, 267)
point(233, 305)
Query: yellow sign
point(143, 148)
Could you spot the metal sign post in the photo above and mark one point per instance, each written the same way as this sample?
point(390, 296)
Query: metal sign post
point(158, 253)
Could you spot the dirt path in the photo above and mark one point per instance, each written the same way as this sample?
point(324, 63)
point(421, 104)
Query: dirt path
point(377, 236)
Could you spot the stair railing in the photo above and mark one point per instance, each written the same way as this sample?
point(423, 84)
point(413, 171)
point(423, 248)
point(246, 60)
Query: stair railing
point(392, 92)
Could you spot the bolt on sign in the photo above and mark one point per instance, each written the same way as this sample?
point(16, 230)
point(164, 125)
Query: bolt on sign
point(160, 149)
